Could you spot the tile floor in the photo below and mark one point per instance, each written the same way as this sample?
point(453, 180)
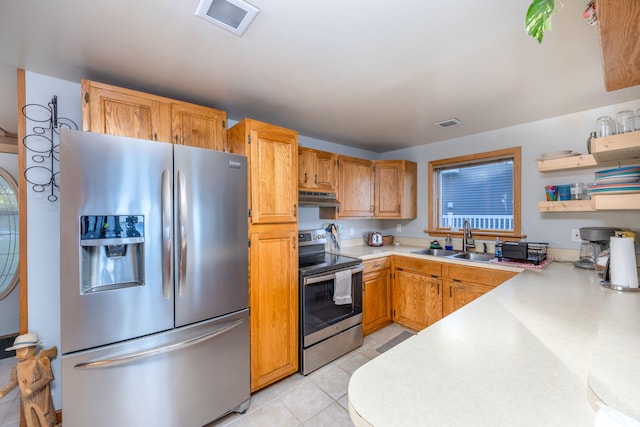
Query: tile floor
point(10, 404)
point(318, 399)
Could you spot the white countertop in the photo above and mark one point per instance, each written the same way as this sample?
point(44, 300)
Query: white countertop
point(526, 354)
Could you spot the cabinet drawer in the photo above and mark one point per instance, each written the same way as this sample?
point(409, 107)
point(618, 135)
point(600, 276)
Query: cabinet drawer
point(376, 264)
point(485, 276)
point(418, 265)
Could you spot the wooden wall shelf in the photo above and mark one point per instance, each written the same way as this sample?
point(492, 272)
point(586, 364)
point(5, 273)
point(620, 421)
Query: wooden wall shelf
point(598, 202)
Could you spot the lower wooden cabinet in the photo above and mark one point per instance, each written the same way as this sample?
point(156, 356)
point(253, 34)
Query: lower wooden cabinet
point(416, 292)
point(376, 294)
point(464, 284)
point(273, 300)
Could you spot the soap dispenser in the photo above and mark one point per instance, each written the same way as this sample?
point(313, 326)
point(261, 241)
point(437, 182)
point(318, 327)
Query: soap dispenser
point(448, 243)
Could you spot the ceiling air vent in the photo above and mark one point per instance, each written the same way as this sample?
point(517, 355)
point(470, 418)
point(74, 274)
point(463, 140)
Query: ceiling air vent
point(232, 15)
point(448, 123)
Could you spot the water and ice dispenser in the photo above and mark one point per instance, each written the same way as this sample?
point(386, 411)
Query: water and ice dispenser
point(112, 248)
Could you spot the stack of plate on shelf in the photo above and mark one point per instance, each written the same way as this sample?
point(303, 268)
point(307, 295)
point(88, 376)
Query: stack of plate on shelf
point(617, 181)
point(557, 155)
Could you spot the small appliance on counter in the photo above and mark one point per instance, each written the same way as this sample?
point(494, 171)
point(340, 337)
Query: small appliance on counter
point(373, 238)
point(595, 240)
point(529, 252)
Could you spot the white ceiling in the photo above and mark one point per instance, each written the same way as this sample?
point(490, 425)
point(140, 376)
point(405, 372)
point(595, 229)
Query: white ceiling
point(372, 74)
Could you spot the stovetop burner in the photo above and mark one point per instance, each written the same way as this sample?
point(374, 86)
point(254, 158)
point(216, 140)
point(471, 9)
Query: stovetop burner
point(313, 259)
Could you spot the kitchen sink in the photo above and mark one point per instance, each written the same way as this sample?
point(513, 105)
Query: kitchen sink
point(435, 252)
point(473, 256)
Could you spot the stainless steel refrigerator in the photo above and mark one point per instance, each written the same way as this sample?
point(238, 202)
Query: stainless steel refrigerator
point(153, 286)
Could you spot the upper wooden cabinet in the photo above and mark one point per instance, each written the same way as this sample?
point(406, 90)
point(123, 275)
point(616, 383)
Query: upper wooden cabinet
point(198, 126)
point(317, 170)
point(272, 153)
point(619, 41)
point(125, 112)
point(395, 189)
point(355, 187)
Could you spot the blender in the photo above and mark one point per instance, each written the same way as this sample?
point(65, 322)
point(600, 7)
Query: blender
point(594, 241)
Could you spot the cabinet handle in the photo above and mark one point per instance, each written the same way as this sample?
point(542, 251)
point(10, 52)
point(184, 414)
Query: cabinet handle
point(295, 210)
point(315, 179)
point(371, 208)
point(293, 240)
point(177, 140)
point(86, 97)
point(305, 177)
point(155, 136)
point(438, 288)
point(450, 295)
point(376, 265)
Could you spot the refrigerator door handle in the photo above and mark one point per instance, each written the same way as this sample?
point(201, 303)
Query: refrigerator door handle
point(182, 224)
point(128, 358)
point(167, 264)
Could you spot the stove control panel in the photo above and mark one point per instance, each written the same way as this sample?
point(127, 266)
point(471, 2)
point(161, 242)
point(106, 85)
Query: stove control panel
point(312, 237)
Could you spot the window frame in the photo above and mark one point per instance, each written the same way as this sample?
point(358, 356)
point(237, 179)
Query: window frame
point(513, 153)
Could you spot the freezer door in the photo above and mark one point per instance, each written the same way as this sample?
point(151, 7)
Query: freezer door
point(112, 289)
point(211, 236)
point(184, 377)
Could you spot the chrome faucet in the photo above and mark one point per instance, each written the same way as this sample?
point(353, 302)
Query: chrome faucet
point(467, 236)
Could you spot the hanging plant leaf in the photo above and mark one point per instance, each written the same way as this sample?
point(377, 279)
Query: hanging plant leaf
point(538, 19)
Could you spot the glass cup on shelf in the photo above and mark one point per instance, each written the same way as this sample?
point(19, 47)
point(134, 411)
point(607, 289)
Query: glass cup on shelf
point(605, 126)
point(576, 191)
point(625, 121)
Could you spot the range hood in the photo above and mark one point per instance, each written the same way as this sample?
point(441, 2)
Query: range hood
point(312, 198)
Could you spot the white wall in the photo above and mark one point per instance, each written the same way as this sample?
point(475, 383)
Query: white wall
point(10, 306)
point(568, 132)
point(43, 227)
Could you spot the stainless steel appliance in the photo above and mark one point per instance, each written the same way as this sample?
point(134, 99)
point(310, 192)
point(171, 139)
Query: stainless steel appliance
point(153, 294)
point(330, 302)
point(594, 241)
point(373, 238)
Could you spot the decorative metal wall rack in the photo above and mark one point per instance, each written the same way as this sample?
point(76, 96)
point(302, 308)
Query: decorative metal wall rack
point(43, 146)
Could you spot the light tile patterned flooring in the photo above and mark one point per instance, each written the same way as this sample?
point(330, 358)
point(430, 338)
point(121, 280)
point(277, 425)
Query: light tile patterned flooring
point(10, 404)
point(316, 400)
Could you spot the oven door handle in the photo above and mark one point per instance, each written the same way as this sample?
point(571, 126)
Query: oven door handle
point(317, 279)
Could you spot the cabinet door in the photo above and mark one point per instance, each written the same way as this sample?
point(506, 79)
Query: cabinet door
point(462, 293)
point(198, 126)
point(273, 300)
point(123, 112)
point(388, 189)
point(376, 301)
point(355, 187)
point(273, 165)
point(395, 189)
point(326, 171)
point(416, 299)
point(306, 168)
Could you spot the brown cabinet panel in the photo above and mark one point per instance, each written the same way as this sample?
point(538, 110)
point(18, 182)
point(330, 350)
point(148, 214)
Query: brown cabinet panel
point(395, 189)
point(355, 187)
point(463, 284)
point(273, 170)
point(123, 112)
point(273, 300)
point(199, 126)
point(417, 302)
point(317, 170)
point(376, 298)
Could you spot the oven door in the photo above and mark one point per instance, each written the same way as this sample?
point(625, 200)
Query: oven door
point(321, 317)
